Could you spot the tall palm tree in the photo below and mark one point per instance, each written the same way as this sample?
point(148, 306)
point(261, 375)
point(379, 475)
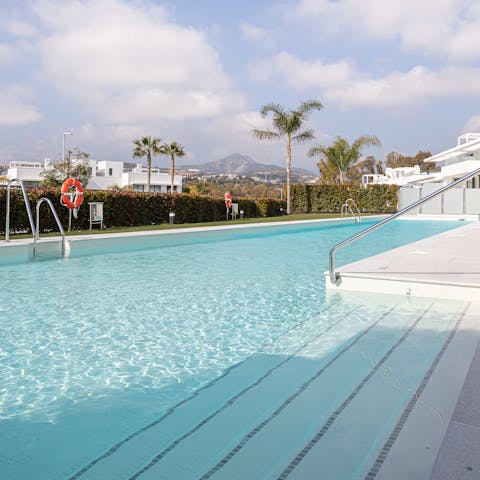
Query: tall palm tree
point(340, 154)
point(173, 150)
point(146, 147)
point(288, 125)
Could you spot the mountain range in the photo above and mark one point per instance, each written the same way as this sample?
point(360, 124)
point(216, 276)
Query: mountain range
point(238, 164)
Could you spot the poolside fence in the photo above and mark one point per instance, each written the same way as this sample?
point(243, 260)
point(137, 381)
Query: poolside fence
point(456, 201)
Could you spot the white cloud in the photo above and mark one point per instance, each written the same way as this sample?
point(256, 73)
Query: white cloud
point(238, 130)
point(304, 74)
point(126, 62)
point(472, 124)
point(14, 108)
point(342, 83)
point(241, 123)
point(258, 36)
point(20, 28)
point(449, 27)
point(6, 53)
point(407, 89)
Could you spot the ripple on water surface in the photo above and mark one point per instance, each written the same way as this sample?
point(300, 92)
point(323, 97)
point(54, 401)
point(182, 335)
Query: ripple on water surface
point(162, 319)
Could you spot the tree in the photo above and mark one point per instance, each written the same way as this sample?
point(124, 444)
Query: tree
point(397, 160)
point(328, 172)
point(288, 125)
point(369, 165)
point(341, 155)
point(146, 147)
point(75, 165)
point(172, 150)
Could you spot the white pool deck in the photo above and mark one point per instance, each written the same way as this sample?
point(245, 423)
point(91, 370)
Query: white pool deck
point(446, 265)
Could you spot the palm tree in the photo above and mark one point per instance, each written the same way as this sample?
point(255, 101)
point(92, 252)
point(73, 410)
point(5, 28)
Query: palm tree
point(173, 150)
point(146, 147)
point(288, 125)
point(340, 154)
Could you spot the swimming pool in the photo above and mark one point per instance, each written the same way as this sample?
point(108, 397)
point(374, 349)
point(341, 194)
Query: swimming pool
point(96, 349)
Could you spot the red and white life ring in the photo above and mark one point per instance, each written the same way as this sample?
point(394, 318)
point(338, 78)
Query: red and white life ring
point(72, 200)
point(228, 200)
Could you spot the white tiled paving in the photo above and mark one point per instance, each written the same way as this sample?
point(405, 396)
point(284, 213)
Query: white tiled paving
point(445, 266)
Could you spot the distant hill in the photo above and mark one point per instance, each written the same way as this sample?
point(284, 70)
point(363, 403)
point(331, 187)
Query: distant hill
point(238, 164)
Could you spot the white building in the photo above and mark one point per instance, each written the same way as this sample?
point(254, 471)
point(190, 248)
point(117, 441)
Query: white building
point(454, 162)
point(28, 172)
point(105, 174)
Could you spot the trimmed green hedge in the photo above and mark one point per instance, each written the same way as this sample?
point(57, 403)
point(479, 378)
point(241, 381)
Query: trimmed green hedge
point(330, 198)
point(126, 209)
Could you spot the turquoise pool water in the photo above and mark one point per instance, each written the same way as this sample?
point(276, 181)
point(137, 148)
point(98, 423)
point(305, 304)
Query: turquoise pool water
point(95, 347)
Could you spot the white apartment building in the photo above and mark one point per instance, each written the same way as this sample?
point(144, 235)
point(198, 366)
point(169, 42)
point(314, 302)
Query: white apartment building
point(454, 162)
point(105, 174)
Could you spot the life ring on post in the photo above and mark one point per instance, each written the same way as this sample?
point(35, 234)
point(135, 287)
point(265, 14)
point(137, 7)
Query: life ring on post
point(228, 200)
point(74, 199)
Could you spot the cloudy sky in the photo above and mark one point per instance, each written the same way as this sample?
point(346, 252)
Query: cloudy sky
point(197, 71)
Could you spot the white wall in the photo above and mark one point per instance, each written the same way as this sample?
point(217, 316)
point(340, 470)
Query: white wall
point(162, 179)
point(453, 201)
point(472, 200)
point(28, 174)
point(106, 165)
point(456, 201)
point(407, 196)
point(435, 204)
point(103, 183)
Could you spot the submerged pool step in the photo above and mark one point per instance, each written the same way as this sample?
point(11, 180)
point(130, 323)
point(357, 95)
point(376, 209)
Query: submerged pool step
point(362, 424)
point(332, 327)
point(264, 450)
point(259, 419)
point(47, 250)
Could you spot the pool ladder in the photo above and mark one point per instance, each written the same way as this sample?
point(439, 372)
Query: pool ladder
point(35, 229)
point(352, 207)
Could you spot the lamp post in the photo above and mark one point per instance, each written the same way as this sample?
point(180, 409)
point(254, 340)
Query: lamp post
point(63, 145)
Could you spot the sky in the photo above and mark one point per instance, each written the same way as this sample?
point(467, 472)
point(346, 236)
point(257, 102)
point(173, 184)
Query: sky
point(198, 72)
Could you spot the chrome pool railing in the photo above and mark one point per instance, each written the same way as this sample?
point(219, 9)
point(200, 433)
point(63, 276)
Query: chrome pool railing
point(351, 206)
point(335, 276)
point(54, 212)
point(27, 206)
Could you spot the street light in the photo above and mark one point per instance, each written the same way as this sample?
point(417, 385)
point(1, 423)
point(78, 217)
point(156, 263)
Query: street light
point(63, 150)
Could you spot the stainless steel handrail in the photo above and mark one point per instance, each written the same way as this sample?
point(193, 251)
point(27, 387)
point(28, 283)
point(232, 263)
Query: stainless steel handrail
point(346, 206)
point(27, 206)
point(334, 276)
point(351, 200)
point(54, 212)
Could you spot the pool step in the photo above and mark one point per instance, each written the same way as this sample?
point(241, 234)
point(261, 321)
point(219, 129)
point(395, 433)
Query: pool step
point(363, 422)
point(266, 449)
point(263, 418)
point(47, 250)
point(337, 323)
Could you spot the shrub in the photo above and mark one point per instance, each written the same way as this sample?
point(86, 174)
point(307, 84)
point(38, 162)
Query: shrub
point(126, 209)
point(330, 198)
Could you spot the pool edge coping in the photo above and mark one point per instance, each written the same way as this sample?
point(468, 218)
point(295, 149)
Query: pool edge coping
point(146, 233)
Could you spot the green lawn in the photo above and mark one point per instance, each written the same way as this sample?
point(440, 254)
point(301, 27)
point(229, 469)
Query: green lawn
point(166, 226)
